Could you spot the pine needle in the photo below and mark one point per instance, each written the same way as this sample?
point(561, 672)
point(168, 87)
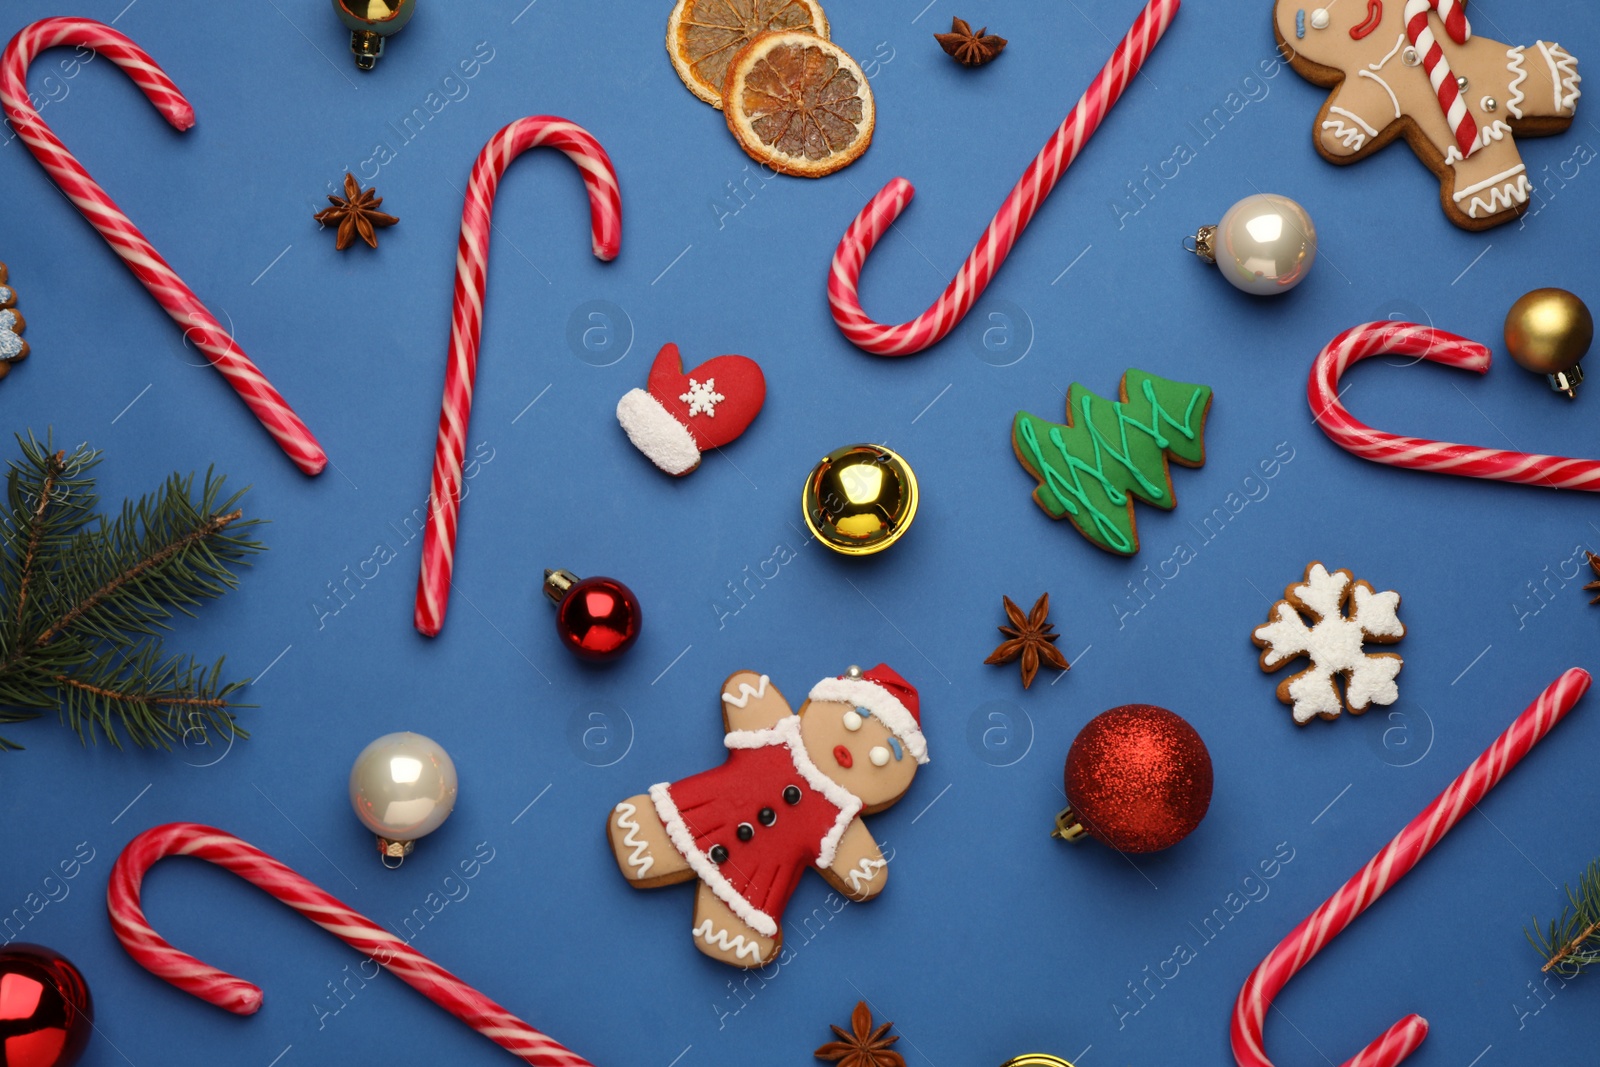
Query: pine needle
point(1572, 942)
point(84, 600)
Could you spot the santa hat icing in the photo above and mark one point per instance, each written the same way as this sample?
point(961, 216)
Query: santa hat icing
point(890, 698)
point(680, 415)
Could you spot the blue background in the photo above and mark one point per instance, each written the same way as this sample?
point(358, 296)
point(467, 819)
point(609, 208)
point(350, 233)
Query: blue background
point(992, 938)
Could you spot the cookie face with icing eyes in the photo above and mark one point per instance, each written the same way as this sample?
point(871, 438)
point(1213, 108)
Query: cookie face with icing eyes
point(1325, 33)
point(854, 748)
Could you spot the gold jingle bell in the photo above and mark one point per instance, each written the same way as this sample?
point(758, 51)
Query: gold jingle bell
point(1548, 331)
point(1036, 1059)
point(860, 499)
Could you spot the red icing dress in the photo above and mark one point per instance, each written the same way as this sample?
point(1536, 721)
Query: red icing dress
point(751, 826)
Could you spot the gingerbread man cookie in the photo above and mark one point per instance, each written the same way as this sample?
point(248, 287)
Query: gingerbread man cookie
point(1414, 68)
point(790, 796)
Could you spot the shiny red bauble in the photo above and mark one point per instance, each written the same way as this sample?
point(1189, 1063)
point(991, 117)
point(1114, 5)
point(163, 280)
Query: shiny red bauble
point(1138, 778)
point(597, 619)
point(46, 1012)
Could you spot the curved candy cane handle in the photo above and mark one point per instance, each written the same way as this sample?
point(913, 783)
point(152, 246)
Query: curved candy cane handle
point(1382, 872)
point(217, 987)
point(198, 324)
point(1018, 210)
point(1417, 453)
point(472, 262)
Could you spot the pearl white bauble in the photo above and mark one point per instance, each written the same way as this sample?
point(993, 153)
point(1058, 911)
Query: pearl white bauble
point(1266, 244)
point(403, 786)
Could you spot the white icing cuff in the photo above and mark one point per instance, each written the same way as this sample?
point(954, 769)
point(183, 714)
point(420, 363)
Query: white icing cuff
point(653, 431)
point(861, 693)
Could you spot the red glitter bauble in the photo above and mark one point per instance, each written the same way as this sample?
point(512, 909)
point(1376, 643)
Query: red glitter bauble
point(1138, 778)
point(598, 619)
point(45, 1009)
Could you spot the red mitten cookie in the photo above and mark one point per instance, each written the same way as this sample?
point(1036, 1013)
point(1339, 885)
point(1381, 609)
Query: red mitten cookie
point(680, 415)
point(1414, 68)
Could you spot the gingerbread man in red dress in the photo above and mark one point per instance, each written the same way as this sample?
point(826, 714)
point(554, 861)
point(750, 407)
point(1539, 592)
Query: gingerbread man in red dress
point(790, 796)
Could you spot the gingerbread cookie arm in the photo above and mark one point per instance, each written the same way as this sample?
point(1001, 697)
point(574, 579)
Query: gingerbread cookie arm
point(751, 702)
point(1357, 119)
point(859, 870)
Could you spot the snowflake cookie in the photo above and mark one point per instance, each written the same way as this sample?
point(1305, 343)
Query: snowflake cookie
point(1344, 614)
point(13, 349)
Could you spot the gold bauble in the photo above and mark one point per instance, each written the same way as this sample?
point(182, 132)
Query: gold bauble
point(860, 499)
point(1548, 331)
point(1036, 1059)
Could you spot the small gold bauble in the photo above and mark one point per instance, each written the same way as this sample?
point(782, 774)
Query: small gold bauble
point(1036, 1059)
point(860, 499)
point(1548, 331)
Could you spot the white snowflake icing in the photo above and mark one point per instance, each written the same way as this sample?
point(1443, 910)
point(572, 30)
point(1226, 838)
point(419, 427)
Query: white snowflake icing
point(10, 342)
point(1344, 615)
point(702, 397)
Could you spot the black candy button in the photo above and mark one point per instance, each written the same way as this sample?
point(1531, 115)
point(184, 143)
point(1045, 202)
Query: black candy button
point(791, 795)
point(719, 855)
point(746, 831)
point(766, 816)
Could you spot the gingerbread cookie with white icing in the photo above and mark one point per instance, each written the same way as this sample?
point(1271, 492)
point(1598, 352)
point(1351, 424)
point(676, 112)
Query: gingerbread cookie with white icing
point(1414, 68)
point(790, 796)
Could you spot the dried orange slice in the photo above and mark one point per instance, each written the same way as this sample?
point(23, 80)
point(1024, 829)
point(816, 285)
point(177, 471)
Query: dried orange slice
point(703, 36)
point(799, 104)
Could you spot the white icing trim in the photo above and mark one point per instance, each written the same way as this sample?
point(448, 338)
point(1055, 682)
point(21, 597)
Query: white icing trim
point(875, 698)
point(865, 871)
point(652, 429)
point(1399, 43)
point(1453, 155)
point(1395, 100)
point(1357, 119)
point(1514, 64)
point(745, 693)
point(1462, 194)
point(626, 821)
point(1502, 198)
point(787, 733)
point(741, 946)
point(1495, 131)
point(1352, 139)
point(1563, 73)
point(683, 841)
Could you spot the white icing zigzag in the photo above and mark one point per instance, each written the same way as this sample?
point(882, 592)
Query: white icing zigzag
point(1514, 64)
point(626, 821)
point(1352, 137)
point(740, 945)
point(745, 693)
point(1566, 64)
point(865, 871)
point(1502, 197)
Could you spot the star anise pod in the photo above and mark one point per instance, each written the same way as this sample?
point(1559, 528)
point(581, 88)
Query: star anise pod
point(356, 213)
point(866, 1046)
point(1594, 586)
point(970, 49)
point(1031, 639)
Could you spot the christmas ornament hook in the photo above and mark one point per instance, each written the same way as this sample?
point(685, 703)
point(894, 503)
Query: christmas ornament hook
point(152, 952)
point(1382, 872)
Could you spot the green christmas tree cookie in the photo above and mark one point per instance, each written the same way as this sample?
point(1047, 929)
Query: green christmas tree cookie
point(1091, 468)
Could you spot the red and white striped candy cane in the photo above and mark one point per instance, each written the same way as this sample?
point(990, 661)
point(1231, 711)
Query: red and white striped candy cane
point(198, 324)
point(1454, 15)
point(1417, 453)
point(213, 986)
point(930, 327)
point(1382, 872)
point(472, 264)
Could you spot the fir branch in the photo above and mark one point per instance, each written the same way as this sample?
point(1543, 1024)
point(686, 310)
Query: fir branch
point(1572, 942)
point(84, 599)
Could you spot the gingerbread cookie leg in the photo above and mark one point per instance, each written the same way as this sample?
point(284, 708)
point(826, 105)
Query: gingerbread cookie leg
point(641, 846)
point(723, 936)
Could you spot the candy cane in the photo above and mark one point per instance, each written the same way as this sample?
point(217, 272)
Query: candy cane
point(1359, 439)
point(1026, 197)
point(213, 986)
point(1454, 15)
point(472, 262)
point(198, 324)
point(1384, 870)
